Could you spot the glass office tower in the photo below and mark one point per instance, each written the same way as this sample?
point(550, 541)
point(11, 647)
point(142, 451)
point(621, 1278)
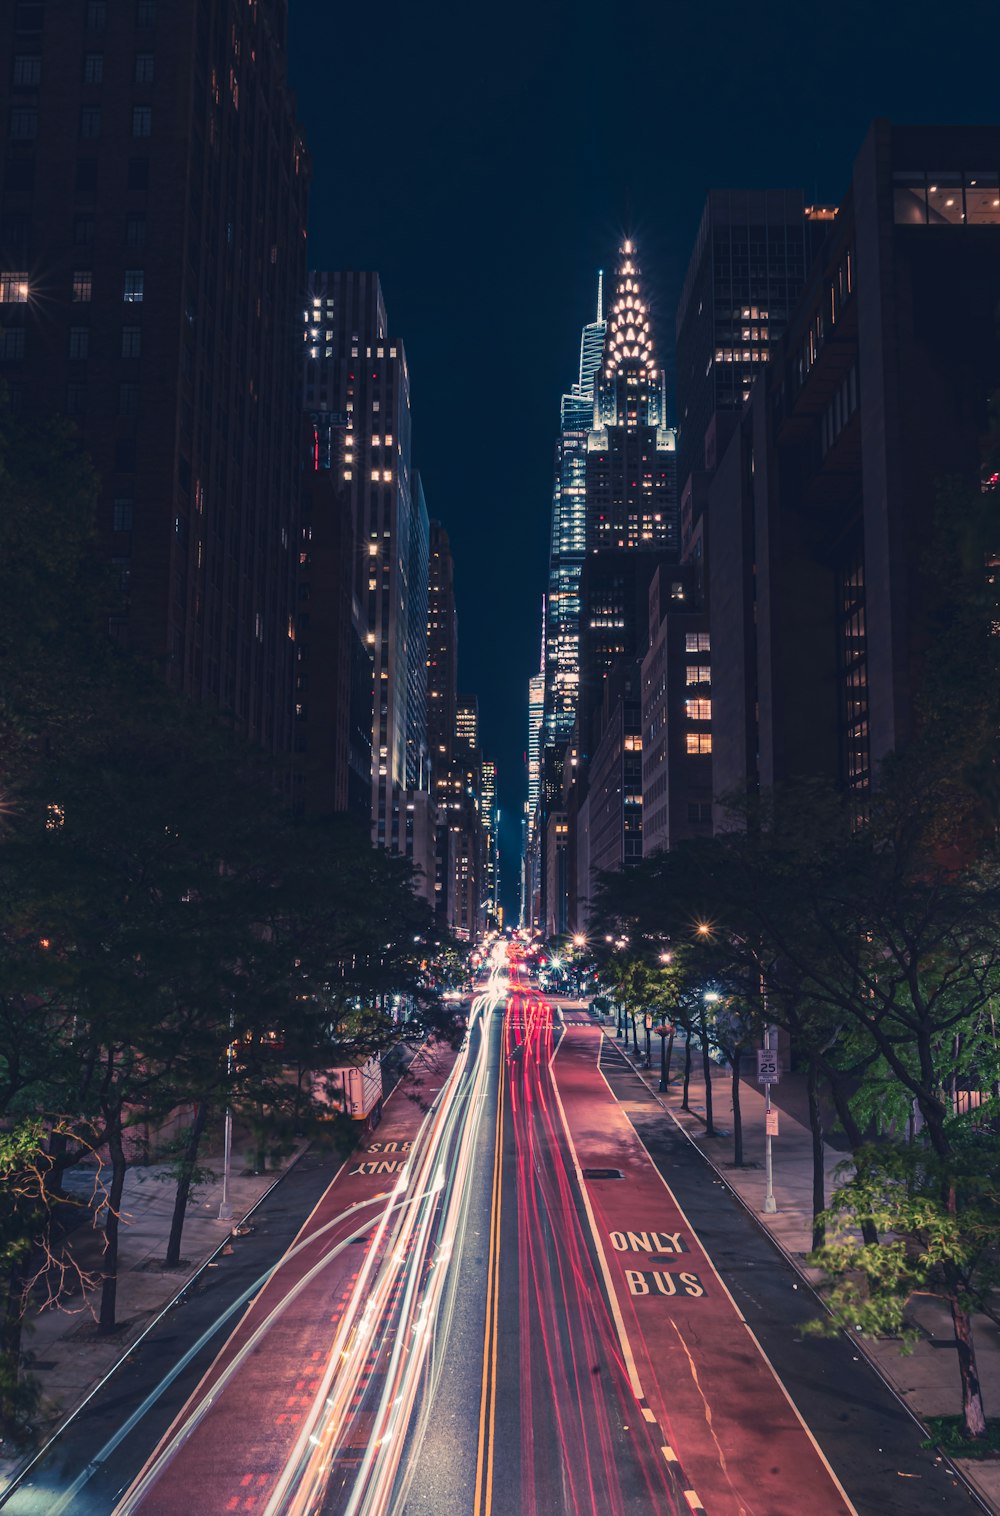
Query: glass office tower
point(569, 535)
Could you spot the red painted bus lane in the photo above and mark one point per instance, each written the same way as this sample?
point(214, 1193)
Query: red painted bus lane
point(701, 1373)
point(233, 1457)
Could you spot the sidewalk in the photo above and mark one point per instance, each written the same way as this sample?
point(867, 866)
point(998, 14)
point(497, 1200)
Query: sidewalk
point(66, 1354)
point(926, 1380)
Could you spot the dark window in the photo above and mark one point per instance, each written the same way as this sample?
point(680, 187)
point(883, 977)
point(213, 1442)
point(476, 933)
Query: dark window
point(93, 68)
point(97, 15)
point(131, 341)
point(133, 286)
point(11, 344)
point(142, 121)
point(23, 123)
point(135, 231)
point(86, 175)
point(138, 173)
point(29, 17)
point(90, 121)
point(83, 285)
point(27, 70)
point(79, 341)
point(19, 177)
point(76, 396)
point(145, 13)
point(121, 519)
point(15, 234)
point(84, 227)
point(125, 455)
point(128, 399)
point(143, 68)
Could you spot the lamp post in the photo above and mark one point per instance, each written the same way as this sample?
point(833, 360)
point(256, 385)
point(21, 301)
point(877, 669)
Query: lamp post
point(579, 943)
point(225, 1204)
point(648, 1019)
point(665, 1032)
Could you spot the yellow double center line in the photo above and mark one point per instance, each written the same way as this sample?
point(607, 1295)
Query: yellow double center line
point(483, 1500)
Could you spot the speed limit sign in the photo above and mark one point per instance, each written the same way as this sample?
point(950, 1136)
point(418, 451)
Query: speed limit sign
point(768, 1070)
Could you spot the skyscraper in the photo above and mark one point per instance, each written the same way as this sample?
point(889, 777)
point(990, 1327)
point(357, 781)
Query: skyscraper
point(631, 495)
point(418, 590)
point(442, 698)
point(745, 274)
point(152, 229)
point(467, 835)
point(569, 535)
point(536, 705)
point(357, 390)
point(826, 591)
point(491, 851)
point(631, 481)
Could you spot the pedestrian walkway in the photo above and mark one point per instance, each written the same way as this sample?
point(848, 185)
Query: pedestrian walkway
point(927, 1380)
point(66, 1353)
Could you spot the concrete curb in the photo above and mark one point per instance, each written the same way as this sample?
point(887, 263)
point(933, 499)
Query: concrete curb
point(967, 1479)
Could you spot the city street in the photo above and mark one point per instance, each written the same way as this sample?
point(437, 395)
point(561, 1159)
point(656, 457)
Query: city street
point(520, 1296)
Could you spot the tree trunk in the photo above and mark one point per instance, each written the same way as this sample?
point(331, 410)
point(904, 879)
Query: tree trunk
point(737, 1112)
point(670, 1054)
point(119, 1165)
point(183, 1190)
point(687, 1073)
point(973, 1414)
point(853, 1133)
point(706, 1064)
point(261, 1164)
point(818, 1166)
point(11, 1330)
point(635, 1040)
point(59, 1153)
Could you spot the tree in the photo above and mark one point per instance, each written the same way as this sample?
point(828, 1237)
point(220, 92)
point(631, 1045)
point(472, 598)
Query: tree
point(940, 1220)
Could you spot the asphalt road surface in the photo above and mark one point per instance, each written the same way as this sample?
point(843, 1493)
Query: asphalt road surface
point(529, 1295)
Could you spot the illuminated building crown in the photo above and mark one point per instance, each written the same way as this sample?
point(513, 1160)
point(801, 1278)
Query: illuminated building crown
point(628, 335)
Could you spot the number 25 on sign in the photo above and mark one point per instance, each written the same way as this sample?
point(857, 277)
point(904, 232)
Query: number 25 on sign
point(768, 1071)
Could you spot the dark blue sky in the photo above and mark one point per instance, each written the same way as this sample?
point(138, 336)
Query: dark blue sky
point(484, 159)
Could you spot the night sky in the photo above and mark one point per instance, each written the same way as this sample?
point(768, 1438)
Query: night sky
point(486, 161)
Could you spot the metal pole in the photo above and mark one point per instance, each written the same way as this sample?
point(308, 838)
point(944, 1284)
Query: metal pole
point(649, 1048)
point(770, 1205)
point(225, 1204)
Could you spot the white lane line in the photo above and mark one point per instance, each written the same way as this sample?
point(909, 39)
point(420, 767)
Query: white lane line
point(626, 1347)
point(852, 1508)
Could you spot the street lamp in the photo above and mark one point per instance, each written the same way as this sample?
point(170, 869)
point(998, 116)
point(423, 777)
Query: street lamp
point(664, 1032)
point(579, 943)
point(225, 1204)
point(710, 997)
point(649, 1027)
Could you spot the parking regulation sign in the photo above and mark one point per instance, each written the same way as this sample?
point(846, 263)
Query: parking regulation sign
point(768, 1070)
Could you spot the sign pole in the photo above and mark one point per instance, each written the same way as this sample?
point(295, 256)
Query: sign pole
point(770, 1205)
